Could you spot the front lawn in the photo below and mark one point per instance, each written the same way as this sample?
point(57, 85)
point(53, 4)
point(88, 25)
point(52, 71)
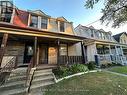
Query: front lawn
point(121, 69)
point(98, 83)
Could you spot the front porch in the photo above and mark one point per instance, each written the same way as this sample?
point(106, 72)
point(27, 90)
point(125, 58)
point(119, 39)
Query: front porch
point(44, 51)
point(108, 53)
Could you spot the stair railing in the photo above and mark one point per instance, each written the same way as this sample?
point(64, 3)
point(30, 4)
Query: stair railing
point(28, 74)
point(10, 65)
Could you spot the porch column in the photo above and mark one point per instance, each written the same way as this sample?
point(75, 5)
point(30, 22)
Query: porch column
point(121, 50)
point(83, 52)
point(110, 50)
point(58, 53)
point(35, 52)
point(3, 47)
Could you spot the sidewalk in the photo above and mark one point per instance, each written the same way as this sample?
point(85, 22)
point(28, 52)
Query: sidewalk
point(115, 73)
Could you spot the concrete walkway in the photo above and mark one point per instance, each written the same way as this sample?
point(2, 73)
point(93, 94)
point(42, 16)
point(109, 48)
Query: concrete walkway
point(114, 73)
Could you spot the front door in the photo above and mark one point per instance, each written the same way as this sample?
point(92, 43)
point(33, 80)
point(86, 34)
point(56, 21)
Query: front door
point(52, 55)
point(43, 54)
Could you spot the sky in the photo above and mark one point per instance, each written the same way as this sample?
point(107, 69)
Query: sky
point(73, 10)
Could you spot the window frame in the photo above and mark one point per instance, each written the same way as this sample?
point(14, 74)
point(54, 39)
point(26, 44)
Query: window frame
point(33, 23)
point(62, 26)
point(44, 23)
point(6, 11)
point(63, 49)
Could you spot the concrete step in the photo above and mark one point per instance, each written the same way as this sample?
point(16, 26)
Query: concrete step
point(16, 75)
point(42, 67)
point(42, 80)
point(39, 85)
point(43, 71)
point(16, 78)
point(39, 75)
point(12, 85)
point(20, 91)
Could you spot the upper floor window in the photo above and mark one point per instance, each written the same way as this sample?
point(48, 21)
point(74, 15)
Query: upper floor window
point(99, 34)
point(6, 9)
point(62, 29)
point(44, 22)
point(103, 35)
point(34, 21)
point(92, 33)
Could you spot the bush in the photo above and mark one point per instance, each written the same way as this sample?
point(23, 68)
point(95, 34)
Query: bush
point(65, 71)
point(106, 65)
point(91, 65)
point(61, 71)
point(78, 68)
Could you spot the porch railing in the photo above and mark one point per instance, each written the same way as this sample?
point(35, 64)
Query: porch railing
point(28, 74)
point(70, 59)
point(112, 58)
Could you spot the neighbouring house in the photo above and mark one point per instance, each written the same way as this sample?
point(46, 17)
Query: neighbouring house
point(100, 46)
point(122, 38)
point(34, 35)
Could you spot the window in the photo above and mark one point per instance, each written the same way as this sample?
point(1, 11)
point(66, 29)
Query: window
point(63, 49)
point(30, 50)
point(92, 33)
point(6, 9)
point(34, 21)
point(103, 35)
point(44, 22)
point(99, 35)
point(62, 27)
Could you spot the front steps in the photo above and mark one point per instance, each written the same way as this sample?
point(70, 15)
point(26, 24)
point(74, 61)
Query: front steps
point(15, 85)
point(41, 78)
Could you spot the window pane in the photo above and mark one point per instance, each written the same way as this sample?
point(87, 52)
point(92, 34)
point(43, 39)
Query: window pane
point(34, 21)
point(62, 27)
point(44, 22)
point(63, 49)
point(6, 11)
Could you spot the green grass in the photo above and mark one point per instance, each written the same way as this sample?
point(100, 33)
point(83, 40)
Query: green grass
point(121, 69)
point(99, 83)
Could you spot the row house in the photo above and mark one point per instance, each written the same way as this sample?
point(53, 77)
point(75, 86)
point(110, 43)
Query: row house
point(100, 46)
point(33, 36)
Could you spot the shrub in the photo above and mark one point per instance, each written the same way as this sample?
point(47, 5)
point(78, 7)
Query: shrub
point(91, 65)
point(78, 68)
point(65, 71)
point(61, 71)
point(106, 65)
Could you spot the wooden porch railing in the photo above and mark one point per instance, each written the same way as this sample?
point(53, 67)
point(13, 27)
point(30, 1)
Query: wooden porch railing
point(70, 59)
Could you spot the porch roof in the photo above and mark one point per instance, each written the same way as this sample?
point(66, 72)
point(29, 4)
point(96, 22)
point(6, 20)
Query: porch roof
point(91, 41)
point(27, 31)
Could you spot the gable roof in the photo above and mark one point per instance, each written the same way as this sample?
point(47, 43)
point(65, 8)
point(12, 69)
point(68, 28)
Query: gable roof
point(39, 12)
point(117, 36)
point(61, 18)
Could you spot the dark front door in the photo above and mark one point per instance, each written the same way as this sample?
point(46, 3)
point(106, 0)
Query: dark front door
point(28, 53)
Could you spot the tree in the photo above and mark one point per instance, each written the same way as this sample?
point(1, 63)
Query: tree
point(114, 12)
